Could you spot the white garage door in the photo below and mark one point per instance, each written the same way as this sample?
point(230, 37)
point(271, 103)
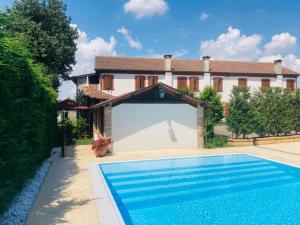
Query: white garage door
point(153, 126)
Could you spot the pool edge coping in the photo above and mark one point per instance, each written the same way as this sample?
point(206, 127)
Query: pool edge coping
point(108, 211)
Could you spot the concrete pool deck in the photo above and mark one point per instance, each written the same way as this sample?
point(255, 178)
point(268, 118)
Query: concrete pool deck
point(66, 196)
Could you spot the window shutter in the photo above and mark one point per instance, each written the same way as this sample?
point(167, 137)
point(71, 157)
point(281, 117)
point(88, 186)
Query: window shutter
point(194, 83)
point(143, 79)
point(242, 82)
point(155, 81)
point(104, 82)
point(137, 82)
point(218, 84)
point(265, 83)
point(181, 82)
point(290, 84)
point(112, 82)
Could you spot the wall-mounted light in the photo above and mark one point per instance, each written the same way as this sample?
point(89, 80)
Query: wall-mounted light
point(161, 92)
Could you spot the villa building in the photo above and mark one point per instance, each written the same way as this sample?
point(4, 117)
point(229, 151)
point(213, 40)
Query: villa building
point(115, 76)
point(136, 102)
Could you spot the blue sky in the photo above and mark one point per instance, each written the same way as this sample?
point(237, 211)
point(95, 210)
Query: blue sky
point(253, 30)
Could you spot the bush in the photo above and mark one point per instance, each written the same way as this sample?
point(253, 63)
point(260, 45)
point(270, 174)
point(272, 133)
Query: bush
point(217, 141)
point(72, 130)
point(187, 91)
point(240, 118)
point(212, 116)
point(27, 116)
point(271, 111)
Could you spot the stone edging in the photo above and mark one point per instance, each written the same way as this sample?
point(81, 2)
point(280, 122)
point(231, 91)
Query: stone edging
point(20, 207)
point(264, 140)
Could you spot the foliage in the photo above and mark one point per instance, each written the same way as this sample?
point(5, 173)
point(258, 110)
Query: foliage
point(27, 115)
point(217, 141)
point(51, 38)
point(83, 141)
point(73, 130)
point(268, 111)
point(273, 111)
point(187, 91)
point(212, 115)
point(240, 119)
point(296, 113)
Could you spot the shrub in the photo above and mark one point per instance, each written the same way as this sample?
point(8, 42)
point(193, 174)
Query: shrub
point(240, 118)
point(296, 113)
point(212, 116)
point(187, 91)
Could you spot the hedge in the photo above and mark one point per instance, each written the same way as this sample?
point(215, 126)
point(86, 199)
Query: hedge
point(27, 116)
point(267, 112)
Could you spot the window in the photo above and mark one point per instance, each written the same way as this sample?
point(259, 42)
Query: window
point(218, 84)
point(290, 84)
point(181, 82)
point(107, 82)
point(194, 83)
point(152, 80)
point(242, 82)
point(265, 83)
point(139, 82)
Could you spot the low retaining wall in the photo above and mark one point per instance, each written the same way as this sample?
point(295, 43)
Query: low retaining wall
point(264, 140)
point(21, 205)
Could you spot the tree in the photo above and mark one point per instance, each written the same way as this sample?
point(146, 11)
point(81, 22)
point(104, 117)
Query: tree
point(50, 35)
point(187, 91)
point(212, 115)
point(240, 119)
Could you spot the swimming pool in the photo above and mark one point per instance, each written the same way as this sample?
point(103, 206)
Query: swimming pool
point(226, 189)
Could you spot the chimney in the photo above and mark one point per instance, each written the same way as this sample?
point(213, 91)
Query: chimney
point(206, 64)
point(278, 67)
point(168, 70)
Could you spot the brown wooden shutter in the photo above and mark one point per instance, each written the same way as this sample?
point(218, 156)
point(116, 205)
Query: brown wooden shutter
point(112, 82)
point(194, 83)
point(143, 79)
point(137, 82)
point(290, 84)
point(181, 82)
point(218, 84)
point(152, 80)
point(108, 82)
point(104, 82)
point(242, 82)
point(265, 83)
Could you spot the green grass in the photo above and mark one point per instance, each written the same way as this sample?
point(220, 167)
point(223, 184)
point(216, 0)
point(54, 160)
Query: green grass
point(217, 142)
point(83, 141)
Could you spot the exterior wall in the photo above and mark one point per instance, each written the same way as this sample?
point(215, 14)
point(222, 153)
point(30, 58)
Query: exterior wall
point(253, 82)
point(154, 126)
point(72, 114)
point(124, 83)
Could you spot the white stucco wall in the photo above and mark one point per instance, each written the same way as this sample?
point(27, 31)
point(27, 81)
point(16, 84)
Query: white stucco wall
point(153, 126)
point(124, 83)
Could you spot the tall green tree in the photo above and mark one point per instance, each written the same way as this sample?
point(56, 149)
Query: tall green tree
point(240, 119)
point(49, 32)
point(211, 115)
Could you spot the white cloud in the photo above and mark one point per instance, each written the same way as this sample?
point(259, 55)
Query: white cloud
point(281, 43)
point(204, 16)
point(146, 8)
point(87, 49)
point(132, 42)
point(232, 46)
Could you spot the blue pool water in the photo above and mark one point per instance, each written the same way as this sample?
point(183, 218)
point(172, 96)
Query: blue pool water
point(210, 190)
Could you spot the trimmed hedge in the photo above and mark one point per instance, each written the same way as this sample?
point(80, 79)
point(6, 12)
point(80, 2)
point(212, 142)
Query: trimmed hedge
point(267, 112)
point(27, 116)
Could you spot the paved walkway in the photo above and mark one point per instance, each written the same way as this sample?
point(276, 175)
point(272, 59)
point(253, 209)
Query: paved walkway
point(66, 195)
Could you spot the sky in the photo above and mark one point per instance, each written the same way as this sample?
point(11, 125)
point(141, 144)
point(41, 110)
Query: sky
point(251, 30)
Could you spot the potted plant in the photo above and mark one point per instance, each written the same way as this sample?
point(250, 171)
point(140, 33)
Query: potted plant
point(101, 146)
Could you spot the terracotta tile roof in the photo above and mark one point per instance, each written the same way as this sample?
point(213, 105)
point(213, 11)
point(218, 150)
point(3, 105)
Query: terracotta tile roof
point(69, 104)
point(93, 92)
point(119, 64)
